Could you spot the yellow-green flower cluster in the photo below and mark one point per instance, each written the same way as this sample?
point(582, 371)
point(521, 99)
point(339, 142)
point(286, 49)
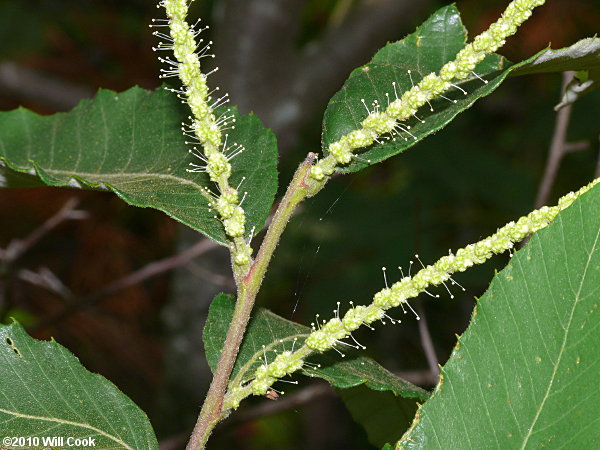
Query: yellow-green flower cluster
point(205, 126)
point(379, 123)
point(490, 40)
point(335, 330)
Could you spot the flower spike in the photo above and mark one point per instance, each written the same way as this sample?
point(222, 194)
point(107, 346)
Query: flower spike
point(330, 333)
point(405, 106)
point(205, 127)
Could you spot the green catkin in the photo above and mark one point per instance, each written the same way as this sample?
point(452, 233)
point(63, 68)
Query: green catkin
point(206, 126)
point(379, 123)
point(332, 332)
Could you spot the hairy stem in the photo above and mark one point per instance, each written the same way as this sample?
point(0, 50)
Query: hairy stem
point(212, 409)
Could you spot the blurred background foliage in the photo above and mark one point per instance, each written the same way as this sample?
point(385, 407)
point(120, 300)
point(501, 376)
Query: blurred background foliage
point(452, 189)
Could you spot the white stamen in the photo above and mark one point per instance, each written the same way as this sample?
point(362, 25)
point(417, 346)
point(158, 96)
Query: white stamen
point(395, 90)
point(410, 76)
point(250, 238)
point(240, 183)
point(243, 198)
point(456, 283)
point(362, 100)
point(459, 88)
point(449, 99)
point(482, 79)
point(414, 312)
point(357, 343)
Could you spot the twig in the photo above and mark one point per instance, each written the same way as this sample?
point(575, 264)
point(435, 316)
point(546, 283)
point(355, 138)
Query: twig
point(557, 146)
point(302, 397)
point(283, 84)
point(150, 270)
point(266, 408)
point(212, 408)
point(324, 66)
point(30, 84)
point(17, 247)
point(426, 342)
point(46, 279)
point(571, 147)
point(423, 378)
point(205, 274)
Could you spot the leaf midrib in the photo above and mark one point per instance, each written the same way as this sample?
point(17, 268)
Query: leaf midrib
point(137, 175)
point(67, 422)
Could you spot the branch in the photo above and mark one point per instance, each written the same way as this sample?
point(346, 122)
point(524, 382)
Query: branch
point(557, 146)
point(299, 398)
point(295, 400)
point(426, 342)
point(287, 86)
point(46, 279)
point(151, 270)
point(423, 378)
point(32, 85)
point(255, 45)
point(17, 247)
point(248, 287)
point(208, 275)
point(324, 66)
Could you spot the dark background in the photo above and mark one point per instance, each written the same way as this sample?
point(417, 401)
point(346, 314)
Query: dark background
point(282, 59)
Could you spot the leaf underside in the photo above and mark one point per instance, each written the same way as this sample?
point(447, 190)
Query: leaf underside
point(131, 143)
point(267, 329)
point(525, 373)
point(45, 392)
point(583, 55)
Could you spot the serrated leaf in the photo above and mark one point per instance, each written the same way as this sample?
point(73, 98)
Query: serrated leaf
point(383, 415)
point(436, 42)
point(269, 330)
point(525, 373)
point(46, 392)
point(131, 143)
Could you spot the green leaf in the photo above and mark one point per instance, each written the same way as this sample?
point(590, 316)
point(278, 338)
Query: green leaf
point(525, 373)
point(436, 42)
point(583, 55)
point(131, 143)
point(276, 333)
point(383, 415)
point(45, 391)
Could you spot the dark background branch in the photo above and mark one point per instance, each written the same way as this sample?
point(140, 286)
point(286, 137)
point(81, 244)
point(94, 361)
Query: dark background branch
point(264, 71)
